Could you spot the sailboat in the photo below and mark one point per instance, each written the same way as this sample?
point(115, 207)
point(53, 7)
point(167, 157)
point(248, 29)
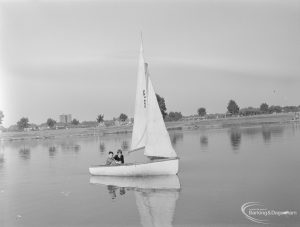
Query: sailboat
point(149, 134)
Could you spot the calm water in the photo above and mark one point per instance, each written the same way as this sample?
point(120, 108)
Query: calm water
point(46, 183)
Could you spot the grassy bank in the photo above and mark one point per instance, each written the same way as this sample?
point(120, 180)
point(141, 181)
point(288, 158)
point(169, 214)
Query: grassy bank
point(177, 125)
point(233, 121)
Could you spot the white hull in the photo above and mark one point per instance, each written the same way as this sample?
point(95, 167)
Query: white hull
point(154, 168)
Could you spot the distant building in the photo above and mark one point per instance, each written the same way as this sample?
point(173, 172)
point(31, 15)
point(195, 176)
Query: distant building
point(61, 126)
point(69, 118)
point(89, 124)
point(109, 123)
point(43, 126)
point(118, 122)
point(31, 127)
point(65, 118)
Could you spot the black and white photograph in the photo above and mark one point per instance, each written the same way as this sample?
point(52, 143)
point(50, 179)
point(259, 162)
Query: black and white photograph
point(149, 113)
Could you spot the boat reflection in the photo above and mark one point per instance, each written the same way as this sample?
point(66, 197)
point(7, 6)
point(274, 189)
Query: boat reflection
point(156, 196)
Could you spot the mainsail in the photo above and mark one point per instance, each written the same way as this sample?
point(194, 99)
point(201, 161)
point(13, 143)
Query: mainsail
point(149, 129)
point(139, 127)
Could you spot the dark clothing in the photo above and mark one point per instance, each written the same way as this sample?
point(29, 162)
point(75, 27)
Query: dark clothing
point(119, 159)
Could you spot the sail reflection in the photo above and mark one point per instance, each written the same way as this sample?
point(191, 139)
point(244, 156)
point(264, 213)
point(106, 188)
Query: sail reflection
point(156, 196)
point(156, 206)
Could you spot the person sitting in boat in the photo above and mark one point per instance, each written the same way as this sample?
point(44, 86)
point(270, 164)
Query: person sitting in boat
point(110, 161)
point(119, 157)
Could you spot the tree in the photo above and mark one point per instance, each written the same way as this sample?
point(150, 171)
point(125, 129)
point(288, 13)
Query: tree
point(123, 117)
point(232, 107)
point(162, 105)
point(276, 109)
point(51, 122)
point(1, 116)
point(264, 107)
point(74, 122)
point(23, 123)
point(201, 111)
point(290, 109)
point(249, 111)
point(174, 116)
point(100, 118)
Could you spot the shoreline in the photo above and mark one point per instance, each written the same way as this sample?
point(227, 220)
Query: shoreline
point(184, 125)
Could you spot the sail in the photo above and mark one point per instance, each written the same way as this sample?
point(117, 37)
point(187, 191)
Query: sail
point(139, 126)
point(157, 141)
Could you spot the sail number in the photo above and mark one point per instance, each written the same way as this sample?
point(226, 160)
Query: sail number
point(144, 95)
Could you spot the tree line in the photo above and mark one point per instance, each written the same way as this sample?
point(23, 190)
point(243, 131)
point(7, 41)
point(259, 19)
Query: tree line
point(264, 108)
point(24, 123)
point(232, 110)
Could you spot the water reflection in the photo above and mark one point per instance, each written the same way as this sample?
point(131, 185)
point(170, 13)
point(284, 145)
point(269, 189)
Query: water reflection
point(235, 139)
point(1, 156)
point(52, 151)
point(102, 147)
point(21, 143)
point(175, 137)
point(251, 131)
point(24, 153)
point(156, 196)
point(112, 190)
point(266, 133)
point(125, 145)
point(277, 131)
point(204, 142)
point(70, 147)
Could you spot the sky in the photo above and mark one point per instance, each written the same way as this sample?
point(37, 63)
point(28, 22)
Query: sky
point(81, 57)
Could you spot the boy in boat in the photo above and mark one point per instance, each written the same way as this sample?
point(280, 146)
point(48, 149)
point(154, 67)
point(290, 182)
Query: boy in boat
point(119, 157)
point(110, 161)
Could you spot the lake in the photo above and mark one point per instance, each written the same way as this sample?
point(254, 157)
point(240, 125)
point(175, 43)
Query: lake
point(46, 182)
